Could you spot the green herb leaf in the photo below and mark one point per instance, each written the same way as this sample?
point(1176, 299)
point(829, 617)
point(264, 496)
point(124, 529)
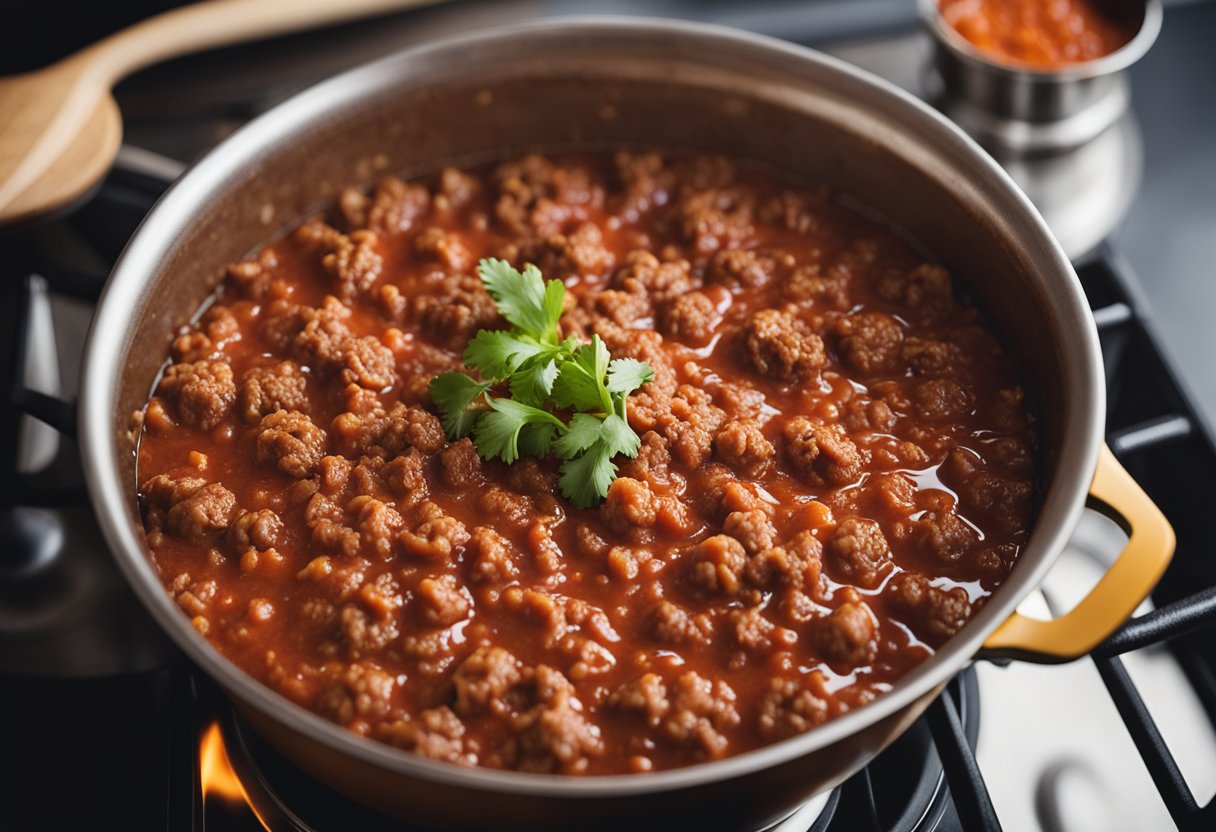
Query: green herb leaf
point(498, 353)
point(627, 374)
point(453, 393)
point(523, 298)
point(496, 433)
point(536, 440)
point(541, 373)
point(618, 437)
point(582, 432)
point(580, 382)
point(585, 479)
point(533, 383)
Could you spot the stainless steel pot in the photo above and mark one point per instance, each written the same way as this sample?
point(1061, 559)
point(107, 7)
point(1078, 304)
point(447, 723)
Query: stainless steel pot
point(606, 83)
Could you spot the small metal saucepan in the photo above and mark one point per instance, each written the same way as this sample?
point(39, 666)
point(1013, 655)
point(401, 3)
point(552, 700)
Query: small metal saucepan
point(1025, 109)
point(606, 83)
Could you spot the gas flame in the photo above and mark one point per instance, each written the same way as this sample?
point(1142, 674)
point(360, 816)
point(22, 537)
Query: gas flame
point(216, 775)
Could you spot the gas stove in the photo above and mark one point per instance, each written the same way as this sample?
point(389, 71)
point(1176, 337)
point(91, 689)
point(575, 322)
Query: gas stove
point(106, 723)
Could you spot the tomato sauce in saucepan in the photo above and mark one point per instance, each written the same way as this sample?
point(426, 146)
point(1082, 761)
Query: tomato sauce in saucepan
point(1044, 34)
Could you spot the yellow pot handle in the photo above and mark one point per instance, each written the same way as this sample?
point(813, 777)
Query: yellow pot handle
point(1129, 580)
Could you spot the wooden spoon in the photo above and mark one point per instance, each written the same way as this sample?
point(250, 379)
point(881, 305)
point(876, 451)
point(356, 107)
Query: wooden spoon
point(60, 126)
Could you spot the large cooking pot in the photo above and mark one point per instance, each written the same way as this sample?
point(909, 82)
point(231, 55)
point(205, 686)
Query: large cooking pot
point(605, 83)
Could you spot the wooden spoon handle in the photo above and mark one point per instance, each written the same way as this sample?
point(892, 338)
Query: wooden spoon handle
point(214, 23)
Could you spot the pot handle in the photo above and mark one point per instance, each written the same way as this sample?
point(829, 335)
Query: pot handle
point(1130, 579)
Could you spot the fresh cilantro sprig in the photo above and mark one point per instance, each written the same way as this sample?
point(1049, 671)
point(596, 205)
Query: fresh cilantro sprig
point(545, 375)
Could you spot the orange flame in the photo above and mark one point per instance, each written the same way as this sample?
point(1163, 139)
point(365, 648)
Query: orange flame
point(216, 774)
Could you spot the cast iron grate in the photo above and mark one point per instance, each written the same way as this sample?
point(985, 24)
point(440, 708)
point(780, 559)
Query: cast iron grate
point(1151, 428)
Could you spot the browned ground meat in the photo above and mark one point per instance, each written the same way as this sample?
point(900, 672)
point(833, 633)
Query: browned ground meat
point(264, 390)
point(691, 318)
point(782, 346)
point(822, 453)
point(934, 614)
point(870, 342)
point(859, 552)
point(202, 392)
point(836, 468)
point(290, 440)
point(744, 447)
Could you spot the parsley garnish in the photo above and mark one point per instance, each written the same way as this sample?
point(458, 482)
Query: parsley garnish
point(543, 374)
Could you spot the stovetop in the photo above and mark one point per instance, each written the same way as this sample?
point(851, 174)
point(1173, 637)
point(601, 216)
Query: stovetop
point(101, 719)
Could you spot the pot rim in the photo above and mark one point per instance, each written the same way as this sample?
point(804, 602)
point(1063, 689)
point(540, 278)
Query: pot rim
point(109, 331)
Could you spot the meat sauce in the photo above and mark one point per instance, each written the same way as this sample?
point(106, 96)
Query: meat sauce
point(1044, 34)
point(837, 468)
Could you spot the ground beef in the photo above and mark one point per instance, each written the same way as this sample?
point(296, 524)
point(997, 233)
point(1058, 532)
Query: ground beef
point(492, 556)
point(261, 529)
point(847, 636)
point(744, 447)
point(782, 347)
point(691, 319)
point(581, 252)
point(436, 733)
point(290, 441)
point(326, 343)
point(796, 564)
point(435, 537)
point(264, 390)
point(942, 399)
point(928, 357)
point(926, 288)
point(662, 281)
point(1006, 500)
point(715, 218)
point(461, 465)
point(629, 506)
point(943, 535)
point(363, 633)
point(823, 454)
point(355, 264)
point(459, 308)
point(202, 393)
point(717, 564)
point(556, 736)
point(858, 552)
point(787, 708)
point(870, 342)
point(405, 476)
point(751, 528)
point(395, 206)
point(672, 624)
point(385, 434)
point(483, 681)
point(746, 267)
point(200, 514)
point(445, 247)
point(443, 601)
point(933, 614)
point(694, 712)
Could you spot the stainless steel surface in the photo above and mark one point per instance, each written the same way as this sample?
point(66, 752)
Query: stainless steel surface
point(1029, 110)
point(548, 85)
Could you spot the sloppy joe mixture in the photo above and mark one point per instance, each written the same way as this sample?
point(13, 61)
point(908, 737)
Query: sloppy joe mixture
point(836, 468)
point(1044, 34)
